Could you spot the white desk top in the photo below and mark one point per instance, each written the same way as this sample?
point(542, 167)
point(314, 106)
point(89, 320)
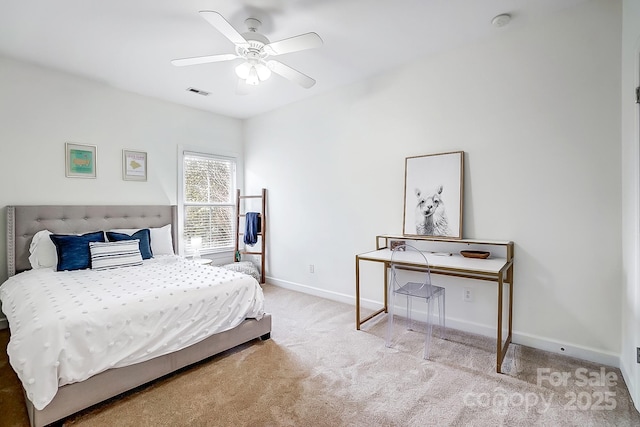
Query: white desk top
point(490, 265)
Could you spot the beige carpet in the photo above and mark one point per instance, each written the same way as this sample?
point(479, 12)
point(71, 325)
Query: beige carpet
point(317, 370)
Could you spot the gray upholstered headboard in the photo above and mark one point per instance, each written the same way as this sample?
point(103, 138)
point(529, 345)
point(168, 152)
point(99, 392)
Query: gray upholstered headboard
point(25, 221)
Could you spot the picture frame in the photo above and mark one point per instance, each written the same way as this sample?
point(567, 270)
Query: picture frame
point(433, 195)
point(80, 160)
point(134, 165)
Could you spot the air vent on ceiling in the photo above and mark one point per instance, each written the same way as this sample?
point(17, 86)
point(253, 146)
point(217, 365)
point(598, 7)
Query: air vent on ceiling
point(198, 91)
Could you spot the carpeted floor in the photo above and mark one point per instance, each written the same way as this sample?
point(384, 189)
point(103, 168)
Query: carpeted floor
point(317, 370)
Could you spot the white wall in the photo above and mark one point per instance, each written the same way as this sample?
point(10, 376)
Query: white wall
point(537, 111)
point(42, 109)
point(630, 198)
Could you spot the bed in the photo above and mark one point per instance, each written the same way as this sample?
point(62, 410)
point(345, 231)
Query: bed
point(23, 222)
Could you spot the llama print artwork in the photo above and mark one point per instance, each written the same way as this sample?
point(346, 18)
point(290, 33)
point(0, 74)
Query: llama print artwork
point(433, 195)
point(431, 216)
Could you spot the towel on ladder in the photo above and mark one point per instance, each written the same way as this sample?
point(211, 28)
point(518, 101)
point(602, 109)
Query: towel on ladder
point(252, 228)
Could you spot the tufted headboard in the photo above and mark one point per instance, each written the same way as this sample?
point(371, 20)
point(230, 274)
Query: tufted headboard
point(25, 221)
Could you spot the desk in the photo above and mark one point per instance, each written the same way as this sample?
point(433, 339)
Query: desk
point(498, 268)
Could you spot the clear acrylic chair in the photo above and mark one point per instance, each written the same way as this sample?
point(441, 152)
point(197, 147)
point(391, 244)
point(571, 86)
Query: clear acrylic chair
point(423, 290)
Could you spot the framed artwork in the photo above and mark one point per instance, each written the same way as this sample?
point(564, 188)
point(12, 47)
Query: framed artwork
point(134, 165)
point(433, 195)
point(80, 160)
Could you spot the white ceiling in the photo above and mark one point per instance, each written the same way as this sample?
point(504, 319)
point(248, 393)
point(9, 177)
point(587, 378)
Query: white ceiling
point(128, 44)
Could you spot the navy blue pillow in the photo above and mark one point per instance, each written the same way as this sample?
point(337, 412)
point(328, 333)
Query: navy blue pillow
point(143, 235)
point(73, 251)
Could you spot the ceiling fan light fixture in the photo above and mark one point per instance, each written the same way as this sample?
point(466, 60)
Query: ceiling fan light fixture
point(252, 78)
point(253, 73)
point(263, 71)
point(242, 70)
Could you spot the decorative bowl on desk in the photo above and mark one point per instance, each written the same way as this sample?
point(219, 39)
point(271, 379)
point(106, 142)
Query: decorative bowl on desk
point(475, 254)
point(396, 243)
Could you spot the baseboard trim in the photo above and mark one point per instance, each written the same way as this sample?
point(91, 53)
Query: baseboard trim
point(334, 296)
point(627, 375)
point(521, 338)
point(571, 350)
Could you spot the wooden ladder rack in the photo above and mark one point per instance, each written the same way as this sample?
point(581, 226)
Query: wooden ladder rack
point(261, 234)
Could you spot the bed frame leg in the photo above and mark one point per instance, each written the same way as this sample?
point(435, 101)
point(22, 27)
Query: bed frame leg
point(265, 336)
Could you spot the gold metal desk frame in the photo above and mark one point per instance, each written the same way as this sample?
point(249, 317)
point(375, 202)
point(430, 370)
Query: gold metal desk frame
point(495, 269)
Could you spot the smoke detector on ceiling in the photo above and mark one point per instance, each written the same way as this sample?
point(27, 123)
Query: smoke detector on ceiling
point(501, 20)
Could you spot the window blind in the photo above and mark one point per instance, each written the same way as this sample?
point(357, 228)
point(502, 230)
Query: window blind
point(209, 208)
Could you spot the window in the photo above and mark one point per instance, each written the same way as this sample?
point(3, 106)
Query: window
point(208, 202)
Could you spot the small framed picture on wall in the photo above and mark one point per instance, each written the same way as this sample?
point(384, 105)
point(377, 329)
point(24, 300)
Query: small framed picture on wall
point(80, 160)
point(134, 165)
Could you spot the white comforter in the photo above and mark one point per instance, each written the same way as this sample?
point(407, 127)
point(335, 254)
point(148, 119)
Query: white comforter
point(68, 326)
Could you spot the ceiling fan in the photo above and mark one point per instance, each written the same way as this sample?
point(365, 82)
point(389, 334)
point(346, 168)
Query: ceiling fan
point(255, 49)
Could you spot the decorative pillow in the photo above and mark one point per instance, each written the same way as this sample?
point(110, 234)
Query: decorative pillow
point(161, 239)
point(73, 251)
point(125, 253)
point(245, 267)
point(144, 236)
point(42, 250)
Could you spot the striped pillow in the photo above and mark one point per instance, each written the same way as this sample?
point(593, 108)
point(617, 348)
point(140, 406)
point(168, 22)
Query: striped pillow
point(105, 255)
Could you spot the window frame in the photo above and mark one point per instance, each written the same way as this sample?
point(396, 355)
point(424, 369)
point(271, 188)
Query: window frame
point(215, 254)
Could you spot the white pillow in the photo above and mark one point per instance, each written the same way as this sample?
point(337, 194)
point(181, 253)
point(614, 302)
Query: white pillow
point(161, 239)
point(43, 251)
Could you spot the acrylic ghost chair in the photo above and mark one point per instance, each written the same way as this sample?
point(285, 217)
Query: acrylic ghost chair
point(423, 290)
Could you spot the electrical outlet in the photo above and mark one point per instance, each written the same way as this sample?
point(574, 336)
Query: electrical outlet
point(468, 295)
point(311, 268)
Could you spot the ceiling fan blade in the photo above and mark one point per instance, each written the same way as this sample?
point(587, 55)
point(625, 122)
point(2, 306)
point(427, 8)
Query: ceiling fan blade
point(291, 74)
point(294, 44)
point(222, 25)
point(203, 59)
